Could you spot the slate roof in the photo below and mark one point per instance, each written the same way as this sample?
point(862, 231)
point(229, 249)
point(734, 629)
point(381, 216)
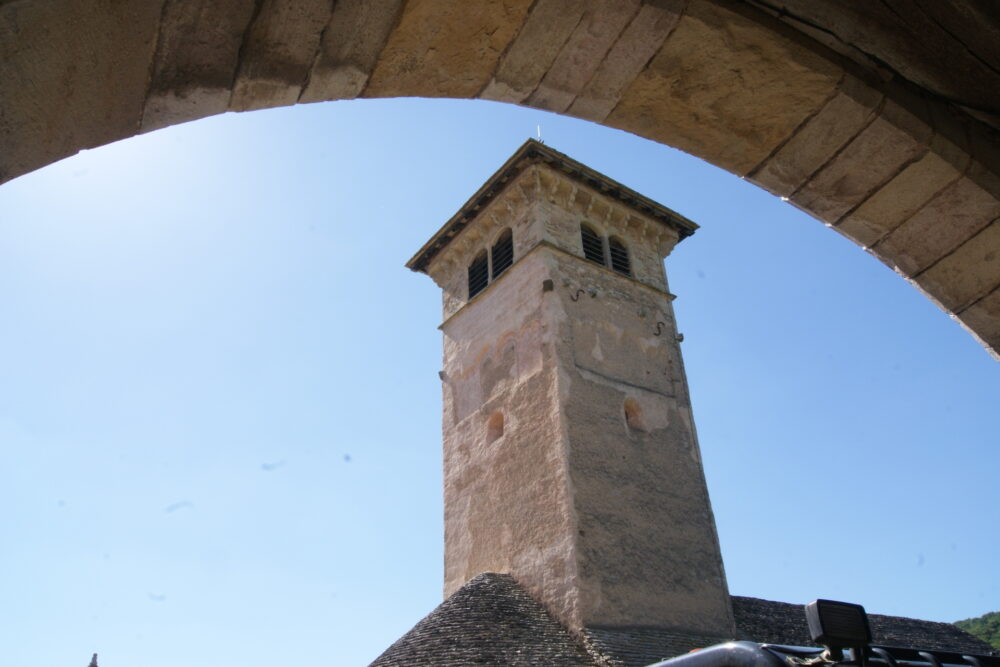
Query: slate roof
point(783, 623)
point(641, 646)
point(492, 620)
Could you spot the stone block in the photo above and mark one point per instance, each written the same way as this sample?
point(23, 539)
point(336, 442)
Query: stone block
point(948, 220)
point(639, 42)
point(885, 147)
point(905, 194)
point(533, 52)
point(726, 86)
point(278, 53)
point(947, 47)
point(197, 53)
point(441, 48)
point(985, 149)
point(982, 320)
point(970, 272)
point(349, 48)
point(838, 122)
point(582, 54)
point(73, 76)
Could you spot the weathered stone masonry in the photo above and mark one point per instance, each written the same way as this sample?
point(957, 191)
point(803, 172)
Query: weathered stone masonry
point(879, 119)
point(570, 453)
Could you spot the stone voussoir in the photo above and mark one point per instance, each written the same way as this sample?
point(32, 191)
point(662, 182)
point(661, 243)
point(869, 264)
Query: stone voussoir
point(531, 55)
point(904, 195)
point(968, 273)
point(582, 54)
point(982, 320)
point(278, 52)
point(843, 117)
point(197, 54)
point(639, 42)
point(726, 87)
point(63, 89)
point(898, 136)
point(349, 48)
point(440, 48)
point(948, 157)
point(925, 237)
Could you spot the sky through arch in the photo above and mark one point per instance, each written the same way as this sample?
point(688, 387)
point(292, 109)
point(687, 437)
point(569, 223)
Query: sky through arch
point(220, 409)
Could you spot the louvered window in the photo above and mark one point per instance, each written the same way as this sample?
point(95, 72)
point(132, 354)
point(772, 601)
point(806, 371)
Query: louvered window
point(593, 245)
point(479, 274)
point(503, 253)
point(619, 257)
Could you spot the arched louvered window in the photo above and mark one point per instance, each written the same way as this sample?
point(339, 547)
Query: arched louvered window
point(503, 253)
point(593, 244)
point(479, 274)
point(619, 257)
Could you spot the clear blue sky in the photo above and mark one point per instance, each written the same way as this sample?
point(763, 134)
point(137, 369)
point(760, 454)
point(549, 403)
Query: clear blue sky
point(220, 411)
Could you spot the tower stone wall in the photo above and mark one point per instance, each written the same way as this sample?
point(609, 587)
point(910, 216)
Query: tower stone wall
point(570, 453)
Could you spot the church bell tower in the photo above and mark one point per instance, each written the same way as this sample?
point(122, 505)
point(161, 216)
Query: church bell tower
point(570, 455)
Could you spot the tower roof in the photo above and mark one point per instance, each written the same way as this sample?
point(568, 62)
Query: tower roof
point(533, 152)
point(491, 620)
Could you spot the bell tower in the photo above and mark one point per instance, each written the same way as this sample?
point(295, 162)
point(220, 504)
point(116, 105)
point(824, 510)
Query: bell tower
point(570, 455)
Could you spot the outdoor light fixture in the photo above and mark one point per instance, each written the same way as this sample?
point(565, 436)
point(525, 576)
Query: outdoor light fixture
point(838, 625)
point(835, 626)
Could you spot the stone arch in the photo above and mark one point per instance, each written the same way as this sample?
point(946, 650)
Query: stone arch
point(886, 131)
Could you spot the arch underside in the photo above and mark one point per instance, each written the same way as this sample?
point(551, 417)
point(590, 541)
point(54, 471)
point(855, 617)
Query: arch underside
point(878, 119)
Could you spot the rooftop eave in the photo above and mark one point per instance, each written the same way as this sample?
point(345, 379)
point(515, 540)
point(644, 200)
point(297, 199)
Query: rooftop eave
point(532, 152)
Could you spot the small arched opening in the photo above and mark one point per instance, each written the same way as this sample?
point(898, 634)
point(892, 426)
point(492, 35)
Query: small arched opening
point(479, 274)
point(502, 253)
point(593, 244)
point(633, 415)
point(620, 261)
point(494, 427)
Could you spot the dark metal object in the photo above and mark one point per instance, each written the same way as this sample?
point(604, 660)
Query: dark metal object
point(749, 654)
point(576, 297)
point(659, 328)
point(890, 661)
point(915, 657)
point(730, 654)
point(838, 625)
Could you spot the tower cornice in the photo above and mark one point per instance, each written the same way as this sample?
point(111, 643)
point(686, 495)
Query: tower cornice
point(534, 152)
point(566, 284)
